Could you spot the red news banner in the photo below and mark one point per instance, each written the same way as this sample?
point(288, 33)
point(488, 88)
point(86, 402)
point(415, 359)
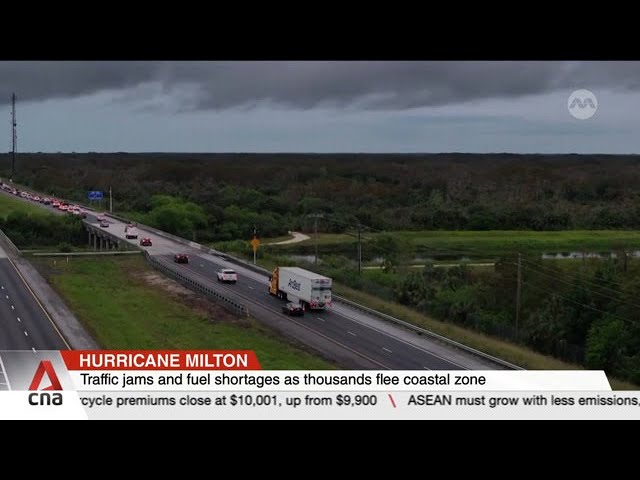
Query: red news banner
point(161, 360)
point(117, 361)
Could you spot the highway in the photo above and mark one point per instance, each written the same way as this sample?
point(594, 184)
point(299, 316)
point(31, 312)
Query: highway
point(341, 332)
point(383, 349)
point(24, 325)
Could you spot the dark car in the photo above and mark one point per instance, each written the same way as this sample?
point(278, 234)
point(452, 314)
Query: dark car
point(146, 242)
point(104, 224)
point(293, 309)
point(181, 258)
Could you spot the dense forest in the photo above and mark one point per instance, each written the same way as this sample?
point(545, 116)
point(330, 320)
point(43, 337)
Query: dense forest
point(226, 194)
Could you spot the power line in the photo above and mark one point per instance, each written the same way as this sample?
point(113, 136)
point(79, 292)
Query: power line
point(555, 294)
point(581, 287)
point(577, 277)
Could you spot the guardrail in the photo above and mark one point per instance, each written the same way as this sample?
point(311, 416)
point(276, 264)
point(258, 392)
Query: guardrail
point(6, 241)
point(370, 311)
point(428, 333)
point(83, 254)
point(192, 284)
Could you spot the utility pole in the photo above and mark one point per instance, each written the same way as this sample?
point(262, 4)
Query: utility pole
point(519, 288)
point(315, 217)
point(14, 136)
point(110, 201)
point(255, 250)
point(359, 250)
point(360, 228)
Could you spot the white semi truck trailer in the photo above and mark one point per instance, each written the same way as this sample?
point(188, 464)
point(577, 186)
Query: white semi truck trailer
point(296, 284)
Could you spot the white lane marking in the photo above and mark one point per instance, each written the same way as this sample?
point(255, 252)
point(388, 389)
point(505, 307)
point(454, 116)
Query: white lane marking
point(7, 297)
point(202, 265)
point(417, 347)
point(251, 287)
point(19, 319)
point(12, 307)
point(2, 287)
point(426, 368)
point(351, 333)
point(26, 334)
point(321, 319)
point(4, 373)
point(387, 350)
point(39, 304)
point(34, 350)
point(300, 324)
point(216, 261)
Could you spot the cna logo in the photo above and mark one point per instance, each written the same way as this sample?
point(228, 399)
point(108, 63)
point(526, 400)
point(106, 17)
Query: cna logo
point(582, 104)
point(45, 367)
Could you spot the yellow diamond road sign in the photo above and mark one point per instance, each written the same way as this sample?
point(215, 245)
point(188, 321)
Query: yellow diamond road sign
point(255, 243)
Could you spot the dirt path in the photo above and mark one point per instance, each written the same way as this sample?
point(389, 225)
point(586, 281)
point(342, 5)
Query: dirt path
point(297, 237)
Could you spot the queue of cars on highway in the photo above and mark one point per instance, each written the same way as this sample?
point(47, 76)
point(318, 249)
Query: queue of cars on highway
point(224, 275)
point(54, 203)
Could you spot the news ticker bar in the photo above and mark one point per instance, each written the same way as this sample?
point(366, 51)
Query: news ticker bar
point(319, 405)
point(229, 384)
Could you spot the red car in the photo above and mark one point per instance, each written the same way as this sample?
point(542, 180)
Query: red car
point(181, 258)
point(145, 242)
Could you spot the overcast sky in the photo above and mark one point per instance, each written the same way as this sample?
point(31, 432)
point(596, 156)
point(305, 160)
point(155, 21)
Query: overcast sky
point(321, 106)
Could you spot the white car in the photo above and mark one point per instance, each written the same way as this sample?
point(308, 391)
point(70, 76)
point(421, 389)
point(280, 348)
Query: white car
point(227, 275)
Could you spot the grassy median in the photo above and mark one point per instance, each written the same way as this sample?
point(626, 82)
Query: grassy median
point(127, 305)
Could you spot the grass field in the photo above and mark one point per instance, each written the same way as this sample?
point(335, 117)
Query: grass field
point(499, 242)
point(123, 311)
point(9, 204)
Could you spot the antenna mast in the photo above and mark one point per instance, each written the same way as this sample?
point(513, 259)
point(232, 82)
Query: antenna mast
point(14, 137)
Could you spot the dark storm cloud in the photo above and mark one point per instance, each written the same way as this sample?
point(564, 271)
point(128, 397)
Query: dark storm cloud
point(302, 85)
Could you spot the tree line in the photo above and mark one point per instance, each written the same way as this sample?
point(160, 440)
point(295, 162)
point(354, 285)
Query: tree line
point(230, 193)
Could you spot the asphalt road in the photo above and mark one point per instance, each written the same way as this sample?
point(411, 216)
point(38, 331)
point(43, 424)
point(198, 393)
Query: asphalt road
point(24, 325)
point(383, 349)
